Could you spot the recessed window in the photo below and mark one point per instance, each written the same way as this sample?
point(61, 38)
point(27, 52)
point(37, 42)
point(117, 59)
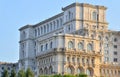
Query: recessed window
point(46, 46)
point(115, 52)
point(44, 29)
point(35, 32)
point(115, 60)
point(51, 45)
point(2, 68)
point(70, 45)
point(115, 46)
point(69, 29)
point(57, 23)
point(106, 59)
point(80, 46)
point(47, 27)
point(115, 39)
point(89, 47)
point(106, 52)
point(94, 15)
point(41, 30)
point(41, 47)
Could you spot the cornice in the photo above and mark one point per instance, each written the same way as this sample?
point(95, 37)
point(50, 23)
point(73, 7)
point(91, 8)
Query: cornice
point(83, 5)
point(26, 26)
point(49, 19)
point(86, 21)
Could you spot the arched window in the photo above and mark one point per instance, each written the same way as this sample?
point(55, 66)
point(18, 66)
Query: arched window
point(94, 15)
point(80, 70)
point(70, 70)
point(50, 70)
point(80, 46)
point(89, 72)
point(51, 45)
point(70, 45)
point(41, 71)
point(45, 70)
point(89, 47)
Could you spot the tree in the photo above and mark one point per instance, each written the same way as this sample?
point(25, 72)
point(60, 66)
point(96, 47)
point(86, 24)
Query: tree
point(13, 73)
point(21, 73)
point(5, 73)
point(29, 73)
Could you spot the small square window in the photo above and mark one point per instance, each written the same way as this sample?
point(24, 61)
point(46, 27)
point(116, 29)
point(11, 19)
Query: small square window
point(115, 52)
point(115, 46)
point(115, 60)
point(115, 39)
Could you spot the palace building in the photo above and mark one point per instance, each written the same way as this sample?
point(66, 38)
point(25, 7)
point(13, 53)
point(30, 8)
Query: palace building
point(75, 41)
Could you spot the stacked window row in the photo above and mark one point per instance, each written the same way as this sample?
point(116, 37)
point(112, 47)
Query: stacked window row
point(48, 27)
point(80, 46)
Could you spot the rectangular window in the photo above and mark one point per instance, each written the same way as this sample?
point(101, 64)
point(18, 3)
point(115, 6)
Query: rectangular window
point(115, 39)
point(41, 47)
point(115, 52)
point(115, 60)
point(115, 46)
point(106, 59)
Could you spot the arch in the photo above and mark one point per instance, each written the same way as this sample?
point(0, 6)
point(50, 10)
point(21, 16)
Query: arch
point(80, 46)
point(41, 71)
point(80, 70)
point(94, 15)
point(89, 71)
point(70, 45)
point(89, 47)
point(70, 70)
point(45, 70)
point(50, 70)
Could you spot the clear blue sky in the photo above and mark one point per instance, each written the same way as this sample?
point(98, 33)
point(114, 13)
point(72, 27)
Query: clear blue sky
point(17, 13)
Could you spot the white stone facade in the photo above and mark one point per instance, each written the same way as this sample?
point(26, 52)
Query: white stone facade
point(9, 67)
point(73, 41)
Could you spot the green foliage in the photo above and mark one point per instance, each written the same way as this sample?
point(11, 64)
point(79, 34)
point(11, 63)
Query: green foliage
point(69, 75)
point(82, 75)
point(5, 73)
point(13, 73)
point(29, 73)
point(66, 75)
point(57, 75)
point(21, 73)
